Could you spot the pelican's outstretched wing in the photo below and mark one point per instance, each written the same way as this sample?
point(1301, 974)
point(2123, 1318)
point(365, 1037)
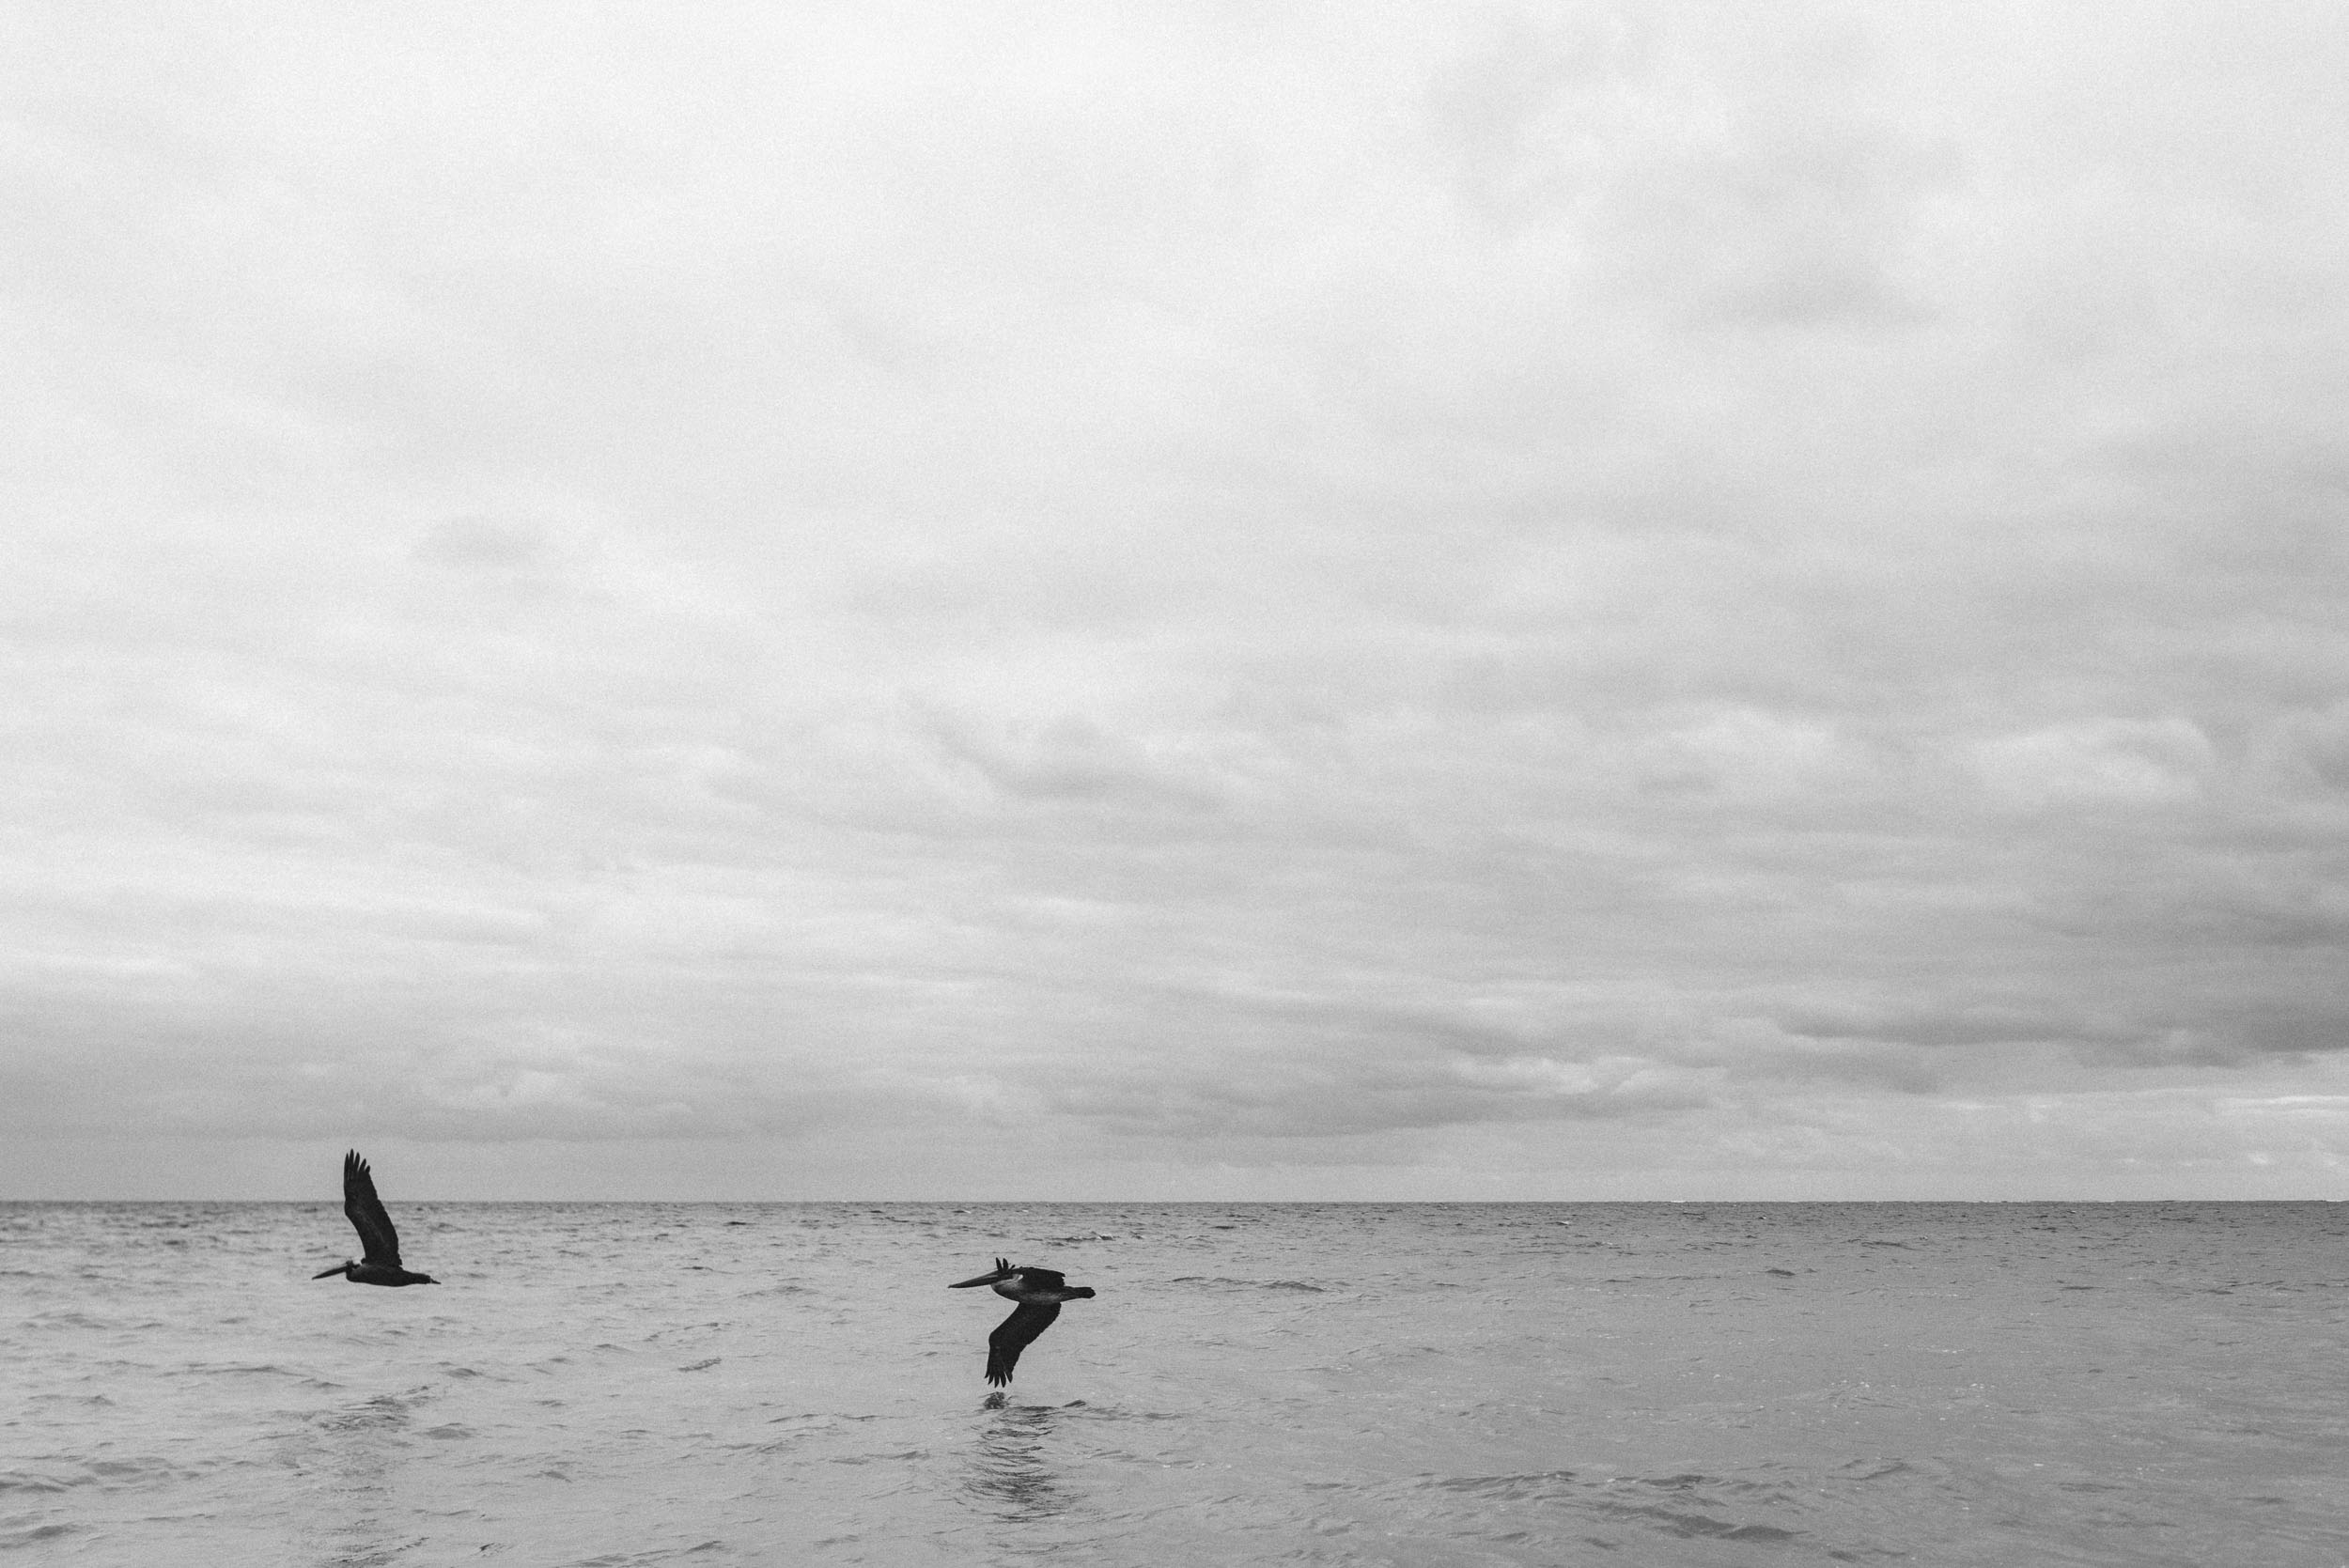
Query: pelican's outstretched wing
point(367, 1213)
point(1014, 1335)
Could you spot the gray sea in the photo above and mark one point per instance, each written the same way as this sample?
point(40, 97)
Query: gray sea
point(1411, 1384)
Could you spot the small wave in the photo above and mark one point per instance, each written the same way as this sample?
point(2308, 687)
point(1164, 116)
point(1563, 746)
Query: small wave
point(235, 1368)
point(383, 1410)
point(1119, 1413)
point(1700, 1526)
point(1540, 1483)
point(69, 1319)
point(36, 1535)
point(1882, 1469)
point(127, 1474)
point(1245, 1285)
point(701, 1366)
point(1617, 1499)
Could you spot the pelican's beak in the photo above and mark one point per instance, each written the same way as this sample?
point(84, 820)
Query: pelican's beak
point(338, 1268)
point(1003, 1271)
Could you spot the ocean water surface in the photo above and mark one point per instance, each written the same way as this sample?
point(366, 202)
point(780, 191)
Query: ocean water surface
point(1413, 1383)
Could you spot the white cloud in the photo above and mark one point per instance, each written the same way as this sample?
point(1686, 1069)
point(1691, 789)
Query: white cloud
point(2110, 760)
point(1438, 600)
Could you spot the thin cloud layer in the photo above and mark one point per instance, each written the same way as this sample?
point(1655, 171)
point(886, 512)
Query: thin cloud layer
point(1547, 601)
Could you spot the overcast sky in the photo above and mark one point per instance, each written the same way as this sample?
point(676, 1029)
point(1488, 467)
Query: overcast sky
point(1192, 600)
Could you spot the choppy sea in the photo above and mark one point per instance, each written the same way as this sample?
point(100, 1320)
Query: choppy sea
point(1413, 1383)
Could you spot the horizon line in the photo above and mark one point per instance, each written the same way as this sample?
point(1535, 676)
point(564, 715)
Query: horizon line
point(1210, 1202)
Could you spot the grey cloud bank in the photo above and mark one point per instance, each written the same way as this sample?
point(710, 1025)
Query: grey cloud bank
point(1535, 601)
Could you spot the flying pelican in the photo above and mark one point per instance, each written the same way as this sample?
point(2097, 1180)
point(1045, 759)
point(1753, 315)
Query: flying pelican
point(376, 1235)
point(1039, 1293)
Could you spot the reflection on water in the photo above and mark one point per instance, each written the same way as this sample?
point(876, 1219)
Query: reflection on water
point(362, 1448)
point(1009, 1475)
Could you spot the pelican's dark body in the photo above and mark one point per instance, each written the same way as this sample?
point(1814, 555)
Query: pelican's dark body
point(1039, 1293)
point(377, 1238)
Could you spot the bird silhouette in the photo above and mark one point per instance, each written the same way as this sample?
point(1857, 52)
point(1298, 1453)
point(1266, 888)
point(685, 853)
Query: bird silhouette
point(1039, 1293)
point(378, 1240)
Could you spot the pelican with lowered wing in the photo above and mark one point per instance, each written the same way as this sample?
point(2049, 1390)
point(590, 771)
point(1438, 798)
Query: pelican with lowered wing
point(1039, 1293)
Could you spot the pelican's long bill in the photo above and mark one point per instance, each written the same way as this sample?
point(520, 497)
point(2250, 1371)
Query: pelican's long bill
point(1003, 1271)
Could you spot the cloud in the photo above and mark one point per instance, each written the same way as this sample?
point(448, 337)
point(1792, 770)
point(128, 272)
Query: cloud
point(1289, 1068)
point(1472, 601)
point(2108, 760)
point(1074, 759)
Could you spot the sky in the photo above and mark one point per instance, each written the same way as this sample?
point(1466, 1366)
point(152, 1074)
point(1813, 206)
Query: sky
point(1199, 601)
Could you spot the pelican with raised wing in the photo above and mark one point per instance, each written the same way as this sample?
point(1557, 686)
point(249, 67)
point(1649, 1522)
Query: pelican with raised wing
point(377, 1239)
point(1039, 1293)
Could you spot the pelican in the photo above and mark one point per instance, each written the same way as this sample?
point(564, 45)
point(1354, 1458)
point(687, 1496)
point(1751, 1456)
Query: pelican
point(376, 1235)
point(1039, 1293)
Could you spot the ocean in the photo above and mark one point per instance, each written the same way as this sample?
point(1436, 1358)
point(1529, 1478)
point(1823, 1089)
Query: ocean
point(1436, 1384)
